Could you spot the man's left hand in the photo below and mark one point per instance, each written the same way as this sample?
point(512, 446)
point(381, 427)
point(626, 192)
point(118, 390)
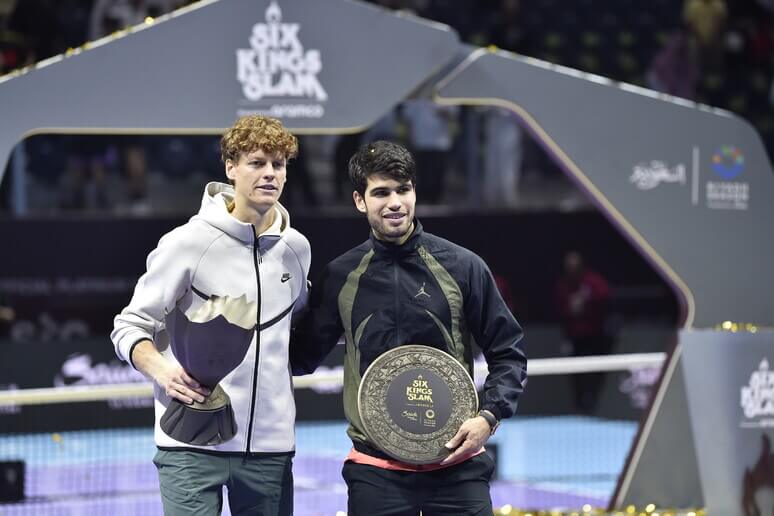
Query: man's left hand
point(471, 436)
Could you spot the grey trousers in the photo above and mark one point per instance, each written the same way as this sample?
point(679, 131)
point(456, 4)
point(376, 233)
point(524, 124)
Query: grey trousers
point(192, 483)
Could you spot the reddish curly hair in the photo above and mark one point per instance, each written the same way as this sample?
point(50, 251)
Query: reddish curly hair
point(252, 132)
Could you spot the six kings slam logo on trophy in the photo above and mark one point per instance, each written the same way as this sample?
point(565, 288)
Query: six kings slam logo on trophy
point(277, 68)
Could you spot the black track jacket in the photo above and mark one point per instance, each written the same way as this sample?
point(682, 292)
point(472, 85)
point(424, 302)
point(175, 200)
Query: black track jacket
point(426, 291)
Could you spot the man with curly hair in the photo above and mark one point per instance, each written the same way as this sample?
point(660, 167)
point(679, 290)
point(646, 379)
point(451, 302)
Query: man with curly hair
point(209, 323)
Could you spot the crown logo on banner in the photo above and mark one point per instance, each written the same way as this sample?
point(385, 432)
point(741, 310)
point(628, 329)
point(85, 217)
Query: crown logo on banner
point(278, 67)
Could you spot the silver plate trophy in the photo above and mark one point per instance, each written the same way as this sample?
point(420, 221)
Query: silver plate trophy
point(208, 347)
point(412, 400)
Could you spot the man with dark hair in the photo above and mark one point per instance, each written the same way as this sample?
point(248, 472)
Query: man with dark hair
point(210, 322)
point(404, 286)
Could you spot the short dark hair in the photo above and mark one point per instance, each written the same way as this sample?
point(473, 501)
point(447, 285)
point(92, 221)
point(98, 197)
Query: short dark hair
point(381, 157)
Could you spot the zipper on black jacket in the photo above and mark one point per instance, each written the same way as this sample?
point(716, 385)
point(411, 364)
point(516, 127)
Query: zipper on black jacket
point(397, 305)
point(256, 260)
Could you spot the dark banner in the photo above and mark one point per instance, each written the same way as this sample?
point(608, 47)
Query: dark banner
point(67, 279)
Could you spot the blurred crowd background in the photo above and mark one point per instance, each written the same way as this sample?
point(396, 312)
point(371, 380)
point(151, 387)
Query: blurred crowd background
point(715, 52)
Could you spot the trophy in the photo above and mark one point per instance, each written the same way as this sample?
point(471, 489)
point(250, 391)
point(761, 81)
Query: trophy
point(412, 400)
point(208, 346)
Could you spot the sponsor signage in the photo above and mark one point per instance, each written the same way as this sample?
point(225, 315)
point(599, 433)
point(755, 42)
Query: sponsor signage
point(722, 176)
point(730, 394)
point(278, 75)
point(757, 398)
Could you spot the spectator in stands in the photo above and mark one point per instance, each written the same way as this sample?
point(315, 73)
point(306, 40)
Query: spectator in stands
point(675, 69)
point(133, 155)
point(506, 28)
point(431, 129)
point(502, 157)
point(706, 19)
point(582, 299)
point(300, 191)
point(83, 183)
point(690, 52)
point(7, 317)
point(390, 127)
point(39, 24)
point(346, 146)
point(108, 16)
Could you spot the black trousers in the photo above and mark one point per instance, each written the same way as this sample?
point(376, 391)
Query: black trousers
point(459, 490)
point(588, 387)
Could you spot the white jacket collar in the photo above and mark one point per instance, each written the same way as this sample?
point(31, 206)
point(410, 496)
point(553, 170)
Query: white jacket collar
point(213, 211)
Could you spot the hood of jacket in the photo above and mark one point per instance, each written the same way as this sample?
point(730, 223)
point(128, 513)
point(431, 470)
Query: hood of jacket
point(214, 211)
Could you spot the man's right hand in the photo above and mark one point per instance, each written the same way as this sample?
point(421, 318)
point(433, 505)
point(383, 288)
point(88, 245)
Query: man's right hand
point(180, 385)
point(171, 377)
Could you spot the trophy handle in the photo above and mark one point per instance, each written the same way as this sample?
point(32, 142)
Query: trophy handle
point(203, 424)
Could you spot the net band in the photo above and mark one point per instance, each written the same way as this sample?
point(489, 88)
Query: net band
point(537, 367)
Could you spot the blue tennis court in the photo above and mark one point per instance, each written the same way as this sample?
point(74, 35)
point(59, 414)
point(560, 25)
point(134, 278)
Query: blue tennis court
point(543, 463)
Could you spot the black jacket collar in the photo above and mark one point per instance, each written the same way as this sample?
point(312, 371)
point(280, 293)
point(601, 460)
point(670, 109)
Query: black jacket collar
point(407, 247)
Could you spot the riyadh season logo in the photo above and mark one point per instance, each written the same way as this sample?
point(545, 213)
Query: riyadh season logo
point(276, 66)
point(638, 386)
point(722, 191)
point(79, 369)
point(757, 398)
point(728, 163)
point(647, 176)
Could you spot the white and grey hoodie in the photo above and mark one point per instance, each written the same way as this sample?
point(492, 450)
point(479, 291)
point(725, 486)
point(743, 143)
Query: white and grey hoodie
point(214, 289)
